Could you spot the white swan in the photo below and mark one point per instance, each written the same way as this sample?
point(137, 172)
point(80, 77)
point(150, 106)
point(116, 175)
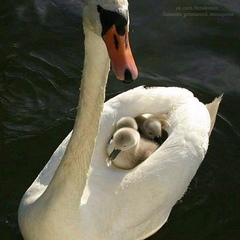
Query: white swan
point(127, 149)
point(73, 199)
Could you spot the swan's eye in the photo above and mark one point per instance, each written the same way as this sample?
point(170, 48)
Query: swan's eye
point(109, 18)
point(150, 133)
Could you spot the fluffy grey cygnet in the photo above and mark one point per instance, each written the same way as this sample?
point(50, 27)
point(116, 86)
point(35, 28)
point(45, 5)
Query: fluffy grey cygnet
point(127, 122)
point(127, 149)
point(151, 127)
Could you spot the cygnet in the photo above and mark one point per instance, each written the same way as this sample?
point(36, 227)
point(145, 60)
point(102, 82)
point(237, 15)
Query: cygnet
point(151, 127)
point(127, 122)
point(127, 149)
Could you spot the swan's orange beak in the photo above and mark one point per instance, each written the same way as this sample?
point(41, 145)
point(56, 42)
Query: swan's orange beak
point(123, 64)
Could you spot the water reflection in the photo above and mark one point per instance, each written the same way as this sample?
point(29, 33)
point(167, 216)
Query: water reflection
point(41, 61)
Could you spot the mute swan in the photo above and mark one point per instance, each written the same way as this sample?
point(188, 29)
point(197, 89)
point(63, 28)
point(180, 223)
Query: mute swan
point(76, 196)
point(127, 149)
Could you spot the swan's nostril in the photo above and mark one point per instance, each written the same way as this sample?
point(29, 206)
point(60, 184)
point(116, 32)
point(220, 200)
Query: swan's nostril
point(127, 76)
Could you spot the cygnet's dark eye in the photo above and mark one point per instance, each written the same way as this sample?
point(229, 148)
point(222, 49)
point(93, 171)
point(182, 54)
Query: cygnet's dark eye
point(110, 18)
point(150, 133)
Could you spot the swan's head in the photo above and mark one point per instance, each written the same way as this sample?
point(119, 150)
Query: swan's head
point(110, 20)
point(152, 129)
point(124, 139)
point(127, 122)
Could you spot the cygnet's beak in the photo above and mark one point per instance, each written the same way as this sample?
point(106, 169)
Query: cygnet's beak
point(114, 154)
point(120, 54)
point(158, 140)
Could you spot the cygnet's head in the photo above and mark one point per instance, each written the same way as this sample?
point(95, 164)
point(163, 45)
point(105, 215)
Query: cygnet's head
point(124, 139)
point(128, 122)
point(152, 129)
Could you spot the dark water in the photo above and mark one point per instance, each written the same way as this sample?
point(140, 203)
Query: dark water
point(41, 57)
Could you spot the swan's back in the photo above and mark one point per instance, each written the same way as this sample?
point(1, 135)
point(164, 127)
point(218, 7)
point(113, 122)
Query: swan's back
point(153, 187)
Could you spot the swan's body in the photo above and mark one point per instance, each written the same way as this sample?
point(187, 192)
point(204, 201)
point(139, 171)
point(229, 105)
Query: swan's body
point(127, 149)
point(76, 196)
point(151, 189)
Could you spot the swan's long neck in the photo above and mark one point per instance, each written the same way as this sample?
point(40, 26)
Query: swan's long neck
point(70, 177)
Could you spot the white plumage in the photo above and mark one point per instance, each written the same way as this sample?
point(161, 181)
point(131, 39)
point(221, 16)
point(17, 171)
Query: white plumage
point(153, 187)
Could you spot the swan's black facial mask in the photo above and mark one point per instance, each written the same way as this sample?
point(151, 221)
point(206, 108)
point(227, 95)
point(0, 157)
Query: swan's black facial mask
point(115, 36)
point(109, 18)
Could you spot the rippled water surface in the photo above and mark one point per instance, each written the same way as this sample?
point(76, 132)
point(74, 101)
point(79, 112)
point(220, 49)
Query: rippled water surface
point(175, 43)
